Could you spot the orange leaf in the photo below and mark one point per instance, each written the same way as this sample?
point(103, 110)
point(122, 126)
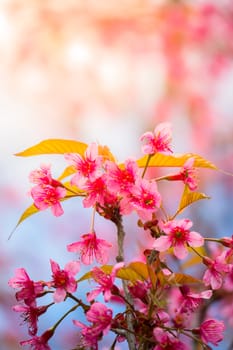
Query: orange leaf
point(105, 152)
point(164, 160)
point(54, 146)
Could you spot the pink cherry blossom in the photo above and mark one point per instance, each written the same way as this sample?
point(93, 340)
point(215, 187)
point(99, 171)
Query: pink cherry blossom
point(91, 248)
point(30, 290)
point(157, 141)
point(39, 343)
point(30, 314)
point(144, 199)
point(121, 179)
point(101, 318)
point(96, 192)
point(228, 280)
point(63, 280)
point(211, 331)
point(41, 176)
point(87, 167)
point(45, 196)
point(167, 341)
point(90, 336)
point(178, 236)
point(190, 301)
point(105, 281)
point(188, 174)
point(216, 269)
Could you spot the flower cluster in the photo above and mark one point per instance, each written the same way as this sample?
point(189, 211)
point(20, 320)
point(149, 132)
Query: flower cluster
point(164, 307)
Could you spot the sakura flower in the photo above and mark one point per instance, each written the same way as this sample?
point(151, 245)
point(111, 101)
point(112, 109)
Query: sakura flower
point(106, 282)
point(216, 269)
point(157, 141)
point(90, 336)
point(228, 280)
point(121, 179)
point(39, 343)
point(30, 290)
point(190, 300)
point(63, 280)
point(41, 176)
point(178, 236)
point(91, 247)
point(188, 175)
point(96, 192)
point(31, 315)
point(144, 199)
point(45, 196)
point(87, 167)
point(167, 341)
point(211, 331)
point(101, 318)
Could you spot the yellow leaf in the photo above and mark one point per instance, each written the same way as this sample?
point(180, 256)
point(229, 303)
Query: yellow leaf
point(195, 258)
point(28, 212)
point(129, 274)
point(106, 268)
point(72, 190)
point(133, 272)
point(164, 160)
point(54, 146)
point(190, 197)
point(140, 268)
point(181, 279)
point(105, 152)
point(177, 279)
point(70, 170)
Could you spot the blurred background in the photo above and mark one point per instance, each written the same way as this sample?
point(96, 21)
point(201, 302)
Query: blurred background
point(107, 71)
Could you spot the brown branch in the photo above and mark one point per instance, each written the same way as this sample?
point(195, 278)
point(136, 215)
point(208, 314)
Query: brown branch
point(130, 336)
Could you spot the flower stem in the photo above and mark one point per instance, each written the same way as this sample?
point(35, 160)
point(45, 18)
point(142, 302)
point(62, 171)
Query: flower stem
point(64, 316)
point(146, 166)
point(92, 230)
point(195, 251)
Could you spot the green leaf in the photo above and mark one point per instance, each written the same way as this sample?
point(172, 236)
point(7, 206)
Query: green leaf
point(164, 160)
point(54, 146)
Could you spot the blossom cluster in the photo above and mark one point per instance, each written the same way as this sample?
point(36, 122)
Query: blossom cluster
point(164, 307)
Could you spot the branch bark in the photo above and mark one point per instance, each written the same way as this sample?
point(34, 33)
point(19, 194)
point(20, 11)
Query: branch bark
point(130, 336)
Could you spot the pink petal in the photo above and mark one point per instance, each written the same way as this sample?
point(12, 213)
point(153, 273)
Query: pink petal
point(59, 295)
point(72, 267)
point(180, 251)
point(57, 209)
point(195, 239)
point(162, 243)
point(54, 266)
